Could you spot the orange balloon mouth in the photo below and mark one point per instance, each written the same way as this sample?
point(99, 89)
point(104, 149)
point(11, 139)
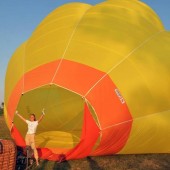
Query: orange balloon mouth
point(112, 122)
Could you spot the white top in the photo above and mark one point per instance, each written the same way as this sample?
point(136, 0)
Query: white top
point(32, 126)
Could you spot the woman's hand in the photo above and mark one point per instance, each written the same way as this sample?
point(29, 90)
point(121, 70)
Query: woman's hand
point(43, 111)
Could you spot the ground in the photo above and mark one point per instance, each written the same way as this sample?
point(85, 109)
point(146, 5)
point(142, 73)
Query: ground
point(114, 162)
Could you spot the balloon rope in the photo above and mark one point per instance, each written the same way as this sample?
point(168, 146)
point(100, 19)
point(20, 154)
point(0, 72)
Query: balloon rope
point(47, 97)
point(68, 44)
point(64, 53)
point(127, 56)
point(137, 118)
point(12, 125)
point(88, 103)
point(23, 69)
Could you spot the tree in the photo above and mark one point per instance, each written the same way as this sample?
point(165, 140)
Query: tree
point(2, 108)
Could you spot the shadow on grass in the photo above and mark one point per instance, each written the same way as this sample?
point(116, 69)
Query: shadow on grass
point(52, 165)
point(43, 165)
point(93, 164)
point(62, 166)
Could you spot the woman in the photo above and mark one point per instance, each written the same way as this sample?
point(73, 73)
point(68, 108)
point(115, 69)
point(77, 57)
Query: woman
point(32, 127)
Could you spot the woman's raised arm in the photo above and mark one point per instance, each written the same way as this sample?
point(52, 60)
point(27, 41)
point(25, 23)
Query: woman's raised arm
point(22, 118)
point(41, 117)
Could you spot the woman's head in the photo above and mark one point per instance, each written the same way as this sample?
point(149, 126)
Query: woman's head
point(32, 117)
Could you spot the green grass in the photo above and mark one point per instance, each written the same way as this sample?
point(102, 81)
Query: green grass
point(114, 162)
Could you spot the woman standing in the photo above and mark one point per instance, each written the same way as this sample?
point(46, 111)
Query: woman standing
point(32, 127)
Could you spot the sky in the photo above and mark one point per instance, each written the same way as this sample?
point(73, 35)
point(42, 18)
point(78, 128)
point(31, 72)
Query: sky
point(19, 18)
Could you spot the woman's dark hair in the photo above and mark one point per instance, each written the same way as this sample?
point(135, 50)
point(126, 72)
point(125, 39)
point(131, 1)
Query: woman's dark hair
point(34, 116)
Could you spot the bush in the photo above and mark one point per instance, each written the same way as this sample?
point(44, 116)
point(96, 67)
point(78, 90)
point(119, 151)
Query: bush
point(2, 108)
point(1, 111)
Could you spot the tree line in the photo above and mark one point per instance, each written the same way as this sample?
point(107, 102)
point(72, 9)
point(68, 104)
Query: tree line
point(2, 108)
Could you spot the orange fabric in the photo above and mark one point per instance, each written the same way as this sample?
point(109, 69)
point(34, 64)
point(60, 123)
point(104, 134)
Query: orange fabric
point(13, 100)
point(59, 150)
point(90, 134)
point(40, 76)
point(67, 73)
point(110, 111)
point(46, 153)
point(113, 139)
point(71, 72)
point(108, 106)
point(19, 140)
point(103, 98)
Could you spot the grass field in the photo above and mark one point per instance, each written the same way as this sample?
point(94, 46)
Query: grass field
point(114, 162)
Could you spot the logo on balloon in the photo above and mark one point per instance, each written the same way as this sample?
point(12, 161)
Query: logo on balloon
point(119, 96)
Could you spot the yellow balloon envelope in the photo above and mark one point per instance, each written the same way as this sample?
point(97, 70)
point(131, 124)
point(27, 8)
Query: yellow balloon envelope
point(103, 75)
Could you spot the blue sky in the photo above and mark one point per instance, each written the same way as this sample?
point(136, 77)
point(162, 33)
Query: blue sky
point(18, 19)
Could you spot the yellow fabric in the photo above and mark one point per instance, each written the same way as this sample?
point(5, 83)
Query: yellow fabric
point(51, 38)
point(55, 125)
point(56, 139)
point(150, 134)
point(14, 74)
point(143, 79)
point(111, 30)
point(47, 43)
point(6, 116)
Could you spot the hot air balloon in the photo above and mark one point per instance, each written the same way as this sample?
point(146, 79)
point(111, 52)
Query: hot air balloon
point(102, 74)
